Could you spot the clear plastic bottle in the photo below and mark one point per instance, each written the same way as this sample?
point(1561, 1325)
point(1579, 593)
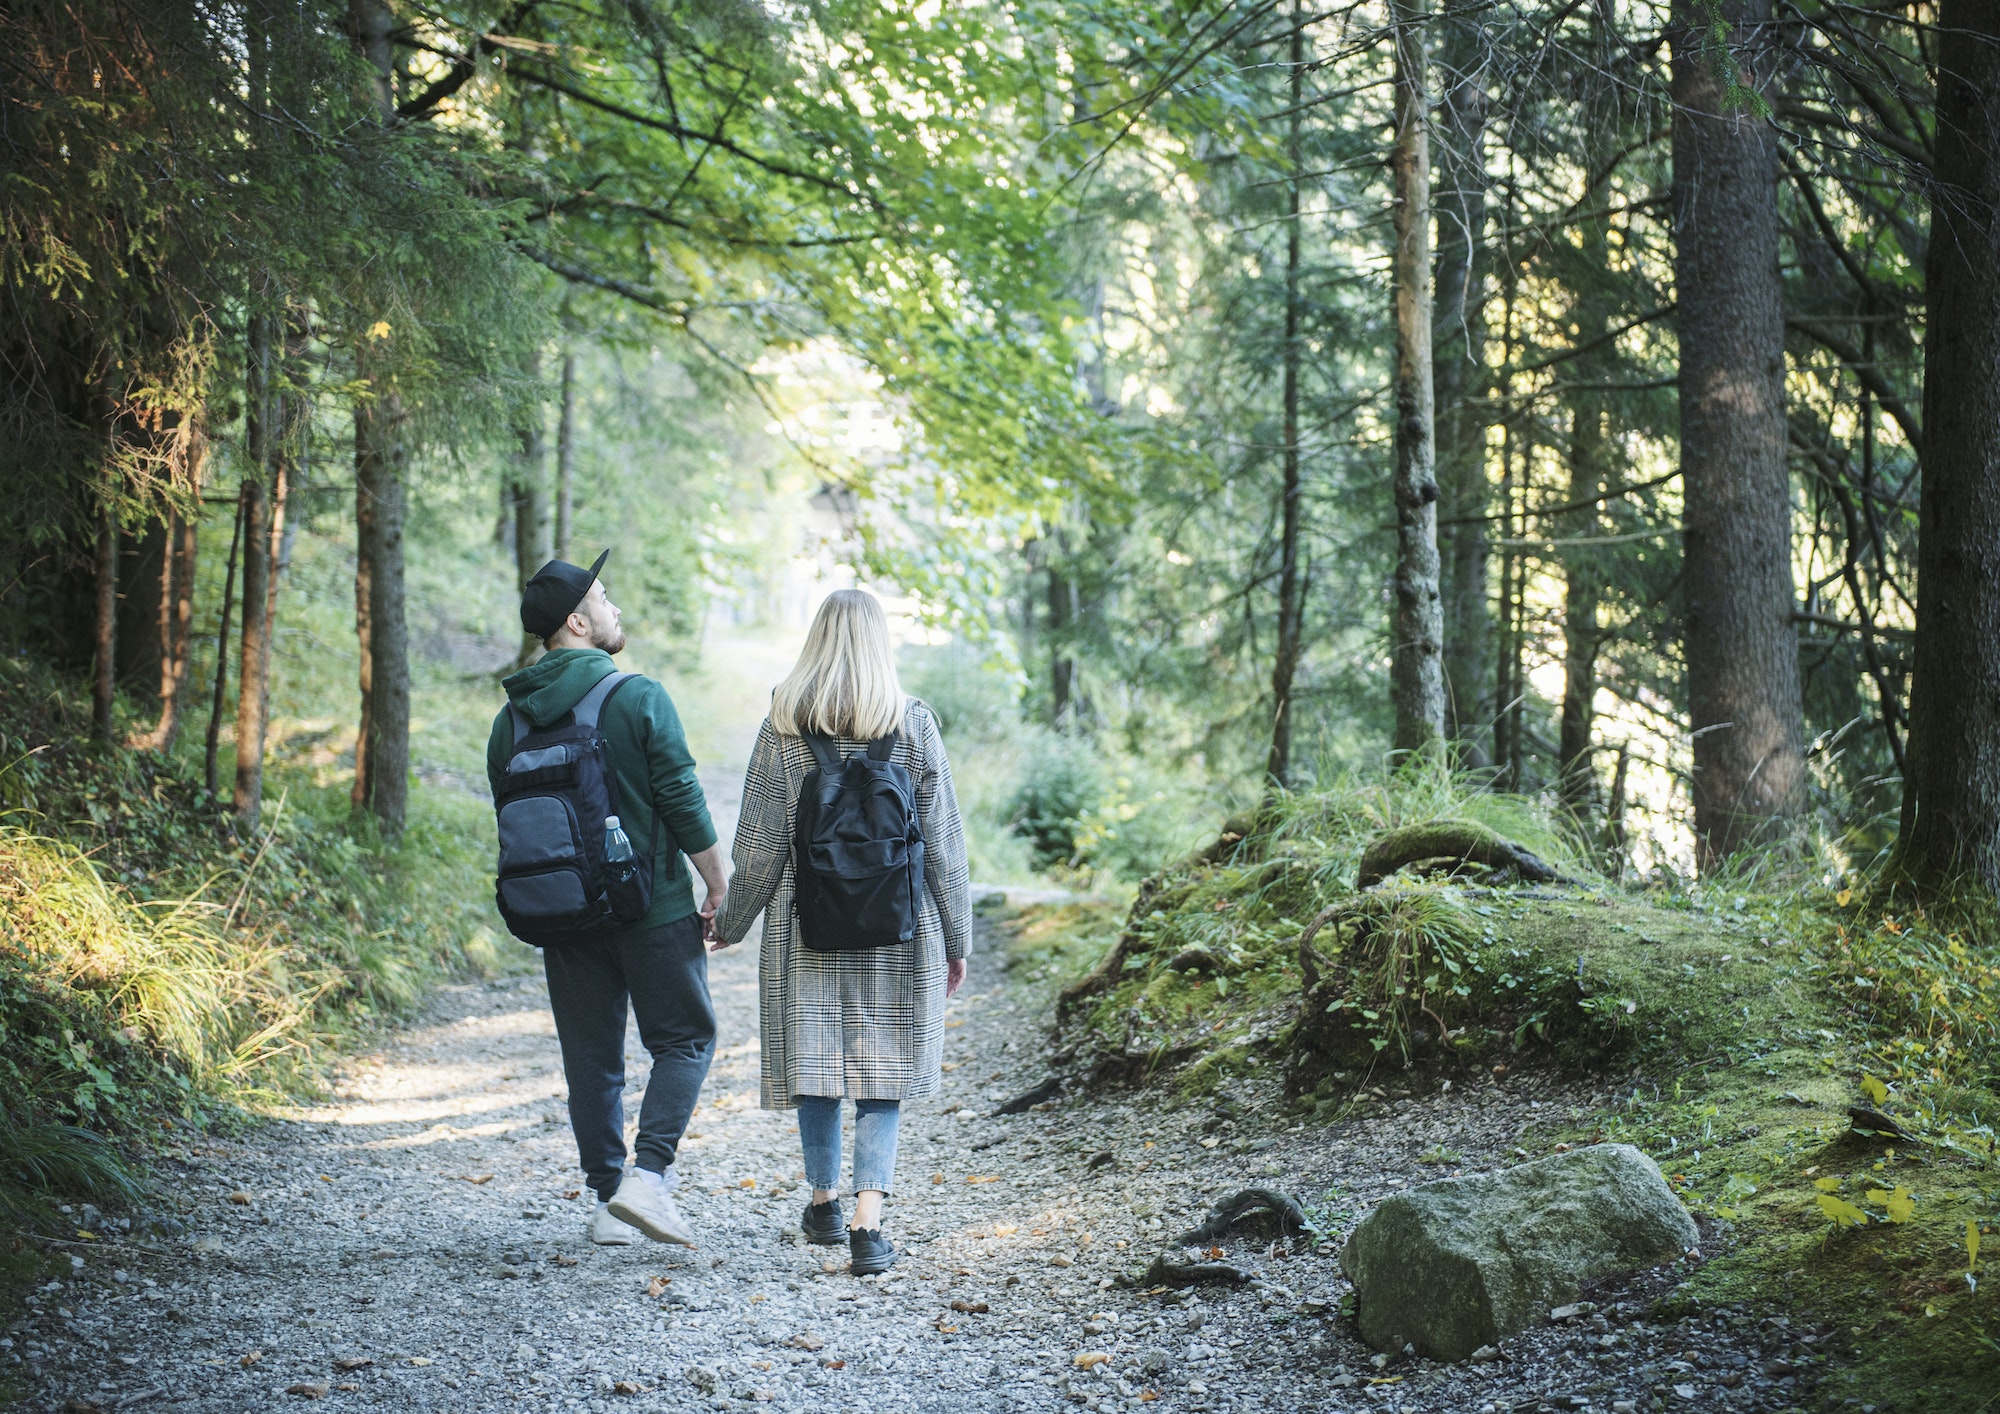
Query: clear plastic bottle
point(617, 848)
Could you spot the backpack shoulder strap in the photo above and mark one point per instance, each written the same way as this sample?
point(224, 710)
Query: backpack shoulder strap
point(881, 748)
point(587, 711)
point(825, 752)
point(522, 726)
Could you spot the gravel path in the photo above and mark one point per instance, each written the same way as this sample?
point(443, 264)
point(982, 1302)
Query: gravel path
point(417, 1243)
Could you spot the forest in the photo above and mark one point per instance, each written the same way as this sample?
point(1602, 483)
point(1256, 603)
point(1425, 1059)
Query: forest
point(1401, 436)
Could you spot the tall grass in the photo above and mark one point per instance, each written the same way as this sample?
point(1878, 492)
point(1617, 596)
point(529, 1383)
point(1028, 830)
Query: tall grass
point(219, 1002)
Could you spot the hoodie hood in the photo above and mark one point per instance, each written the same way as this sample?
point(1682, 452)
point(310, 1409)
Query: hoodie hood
point(548, 688)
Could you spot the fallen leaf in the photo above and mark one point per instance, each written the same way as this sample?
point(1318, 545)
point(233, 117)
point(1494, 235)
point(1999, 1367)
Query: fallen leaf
point(1843, 898)
point(625, 1387)
point(1147, 1396)
point(982, 1178)
point(949, 1065)
point(944, 1329)
point(1091, 1359)
point(1215, 1254)
point(475, 1179)
point(748, 1183)
point(348, 1386)
point(326, 1178)
point(937, 1178)
point(1386, 1380)
point(806, 1340)
point(562, 1259)
point(241, 1199)
point(1005, 1229)
point(418, 1360)
point(353, 1362)
point(1874, 1089)
point(252, 1358)
point(1840, 1212)
point(657, 1287)
point(572, 1194)
point(1827, 1185)
point(976, 1308)
point(305, 1391)
point(834, 1364)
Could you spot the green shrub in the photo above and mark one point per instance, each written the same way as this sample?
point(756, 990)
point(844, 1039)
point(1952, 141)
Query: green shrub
point(1060, 787)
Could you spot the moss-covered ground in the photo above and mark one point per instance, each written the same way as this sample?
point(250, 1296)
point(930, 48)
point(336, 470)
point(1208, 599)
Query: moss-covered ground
point(1737, 1025)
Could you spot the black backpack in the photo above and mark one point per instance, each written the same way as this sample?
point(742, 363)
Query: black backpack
point(555, 885)
point(858, 856)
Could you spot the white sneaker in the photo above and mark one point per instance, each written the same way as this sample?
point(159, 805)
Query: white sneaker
point(607, 1231)
point(645, 1200)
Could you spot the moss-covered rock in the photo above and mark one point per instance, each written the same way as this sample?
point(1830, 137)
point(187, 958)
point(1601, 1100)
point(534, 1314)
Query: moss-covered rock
point(1464, 1262)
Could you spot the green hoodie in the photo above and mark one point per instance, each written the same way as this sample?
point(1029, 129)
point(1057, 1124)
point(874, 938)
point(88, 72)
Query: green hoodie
point(647, 752)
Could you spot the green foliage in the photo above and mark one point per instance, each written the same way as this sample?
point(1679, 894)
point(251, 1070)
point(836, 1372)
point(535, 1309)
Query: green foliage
point(1060, 787)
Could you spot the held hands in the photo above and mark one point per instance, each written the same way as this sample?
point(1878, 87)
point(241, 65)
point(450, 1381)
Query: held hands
point(954, 976)
point(710, 906)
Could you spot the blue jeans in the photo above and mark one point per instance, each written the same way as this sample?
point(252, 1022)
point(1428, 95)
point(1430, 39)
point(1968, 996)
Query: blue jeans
point(875, 1125)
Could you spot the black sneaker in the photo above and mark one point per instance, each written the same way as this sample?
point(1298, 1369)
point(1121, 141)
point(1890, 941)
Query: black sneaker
point(824, 1227)
point(871, 1252)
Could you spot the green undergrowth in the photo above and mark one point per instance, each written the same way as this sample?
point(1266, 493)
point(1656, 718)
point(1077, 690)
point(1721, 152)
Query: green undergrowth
point(160, 977)
point(1736, 1022)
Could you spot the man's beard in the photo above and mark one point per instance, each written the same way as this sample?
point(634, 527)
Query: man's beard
point(611, 640)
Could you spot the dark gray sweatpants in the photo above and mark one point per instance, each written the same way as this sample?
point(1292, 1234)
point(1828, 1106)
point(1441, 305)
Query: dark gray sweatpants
point(663, 972)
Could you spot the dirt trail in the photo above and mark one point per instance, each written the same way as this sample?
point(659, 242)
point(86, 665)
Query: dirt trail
point(426, 1222)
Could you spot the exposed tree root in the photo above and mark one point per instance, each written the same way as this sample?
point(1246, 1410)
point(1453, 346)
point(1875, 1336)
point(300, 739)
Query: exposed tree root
point(1240, 1204)
point(1447, 839)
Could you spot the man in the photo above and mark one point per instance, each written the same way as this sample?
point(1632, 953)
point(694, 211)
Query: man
point(661, 962)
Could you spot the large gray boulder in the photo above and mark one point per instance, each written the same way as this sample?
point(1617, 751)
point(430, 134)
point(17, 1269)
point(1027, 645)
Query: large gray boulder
point(1460, 1263)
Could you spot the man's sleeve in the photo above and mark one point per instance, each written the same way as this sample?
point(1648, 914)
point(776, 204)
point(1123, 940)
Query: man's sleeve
point(678, 801)
point(497, 742)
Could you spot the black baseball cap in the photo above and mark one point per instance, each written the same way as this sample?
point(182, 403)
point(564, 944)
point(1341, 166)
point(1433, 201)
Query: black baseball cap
point(553, 594)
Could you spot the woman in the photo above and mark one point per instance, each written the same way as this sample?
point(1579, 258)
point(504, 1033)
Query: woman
point(865, 1025)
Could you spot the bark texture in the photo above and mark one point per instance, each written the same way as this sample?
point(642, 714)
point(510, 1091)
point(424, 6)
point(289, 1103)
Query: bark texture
point(534, 542)
point(566, 458)
point(382, 745)
point(254, 657)
point(175, 628)
point(220, 694)
point(1742, 649)
point(1951, 800)
point(1582, 594)
point(1458, 375)
point(380, 463)
point(104, 636)
point(1416, 671)
point(1285, 664)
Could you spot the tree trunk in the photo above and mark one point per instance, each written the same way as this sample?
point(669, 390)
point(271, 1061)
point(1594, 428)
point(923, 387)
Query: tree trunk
point(1951, 799)
point(254, 658)
point(533, 544)
point(382, 747)
point(176, 625)
point(364, 539)
point(1459, 374)
point(104, 641)
point(221, 693)
point(1062, 667)
point(566, 457)
point(1286, 662)
point(379, 466)
point(1582, 591)
point(1742, 648)
point(1416, 667)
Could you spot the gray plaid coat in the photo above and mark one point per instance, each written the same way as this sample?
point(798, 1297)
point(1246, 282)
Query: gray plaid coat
point(864, 1025)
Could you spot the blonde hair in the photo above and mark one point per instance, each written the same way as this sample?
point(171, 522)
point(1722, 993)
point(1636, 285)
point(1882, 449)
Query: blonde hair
point(845, 681)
